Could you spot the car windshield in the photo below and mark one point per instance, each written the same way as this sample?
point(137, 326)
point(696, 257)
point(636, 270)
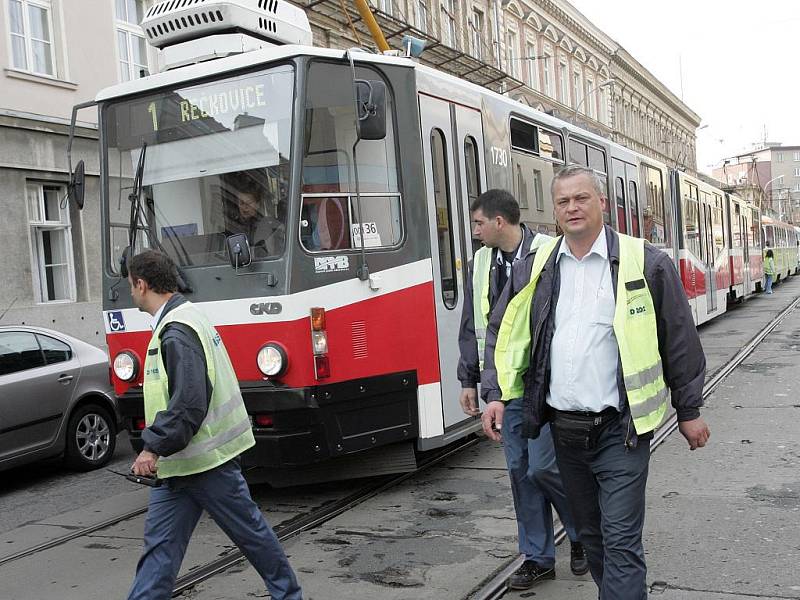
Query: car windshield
point(215, 164)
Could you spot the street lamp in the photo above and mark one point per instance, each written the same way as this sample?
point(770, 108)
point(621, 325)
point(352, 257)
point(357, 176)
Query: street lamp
point(605, 83)
point(764, 188)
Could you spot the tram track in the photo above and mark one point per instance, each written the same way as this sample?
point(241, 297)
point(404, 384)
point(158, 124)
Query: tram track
point(308, 521)
point(496, 586)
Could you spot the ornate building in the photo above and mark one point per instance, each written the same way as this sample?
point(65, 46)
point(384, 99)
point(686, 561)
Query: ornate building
point(544, 53)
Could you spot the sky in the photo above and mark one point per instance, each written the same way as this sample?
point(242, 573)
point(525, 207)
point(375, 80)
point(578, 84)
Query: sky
point(734, 63)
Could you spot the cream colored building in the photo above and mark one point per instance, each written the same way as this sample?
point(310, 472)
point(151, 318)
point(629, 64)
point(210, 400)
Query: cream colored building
point(55, 54)
point(541, 52)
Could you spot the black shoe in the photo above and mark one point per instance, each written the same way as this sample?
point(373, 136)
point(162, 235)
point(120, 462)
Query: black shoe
point(530, 574)
point(578, 563)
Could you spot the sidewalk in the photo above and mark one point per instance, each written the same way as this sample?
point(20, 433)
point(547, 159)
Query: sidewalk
point(723, 523)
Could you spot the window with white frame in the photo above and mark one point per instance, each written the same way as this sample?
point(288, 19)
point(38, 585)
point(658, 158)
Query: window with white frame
point(131, 44)
point(51, 238)
point(797, 156)
point(548, 73)
point(512, 60)
point(385, 6)
point(779, 157)
point(563, 81)
point(797, 172)
point(31, 30)
point(448, 23)
point(533, 66)
point(577, 90)
point(476, 27)
point(796, 187)
point(604, 115)
point(422, 16)
point(591, 98)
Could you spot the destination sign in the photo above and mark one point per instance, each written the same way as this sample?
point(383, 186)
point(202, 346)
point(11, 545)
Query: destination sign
point(201, 110)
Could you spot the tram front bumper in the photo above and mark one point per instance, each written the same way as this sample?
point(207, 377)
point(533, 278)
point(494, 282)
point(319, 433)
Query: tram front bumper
point(313, 424)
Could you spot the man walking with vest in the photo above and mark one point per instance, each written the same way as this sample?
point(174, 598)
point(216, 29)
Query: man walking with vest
point(196, 427)
point(535, 480)
point(595, 343)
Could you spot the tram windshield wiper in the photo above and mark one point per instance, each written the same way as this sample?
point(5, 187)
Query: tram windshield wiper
point(136, 216)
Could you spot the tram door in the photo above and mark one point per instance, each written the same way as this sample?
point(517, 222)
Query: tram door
point(708, 252)
point(744, 230)
point(447, 234)
point(626, 197)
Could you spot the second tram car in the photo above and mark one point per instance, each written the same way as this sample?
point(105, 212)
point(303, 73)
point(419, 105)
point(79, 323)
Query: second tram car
point(317, 202)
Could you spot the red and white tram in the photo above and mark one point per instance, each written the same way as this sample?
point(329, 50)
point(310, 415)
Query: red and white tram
point(347, 178)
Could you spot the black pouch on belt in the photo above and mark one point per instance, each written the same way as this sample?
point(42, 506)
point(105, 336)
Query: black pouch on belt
point(581, 430)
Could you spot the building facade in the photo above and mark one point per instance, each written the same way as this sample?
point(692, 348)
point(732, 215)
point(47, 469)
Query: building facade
point(770, 175)
point(55, 55)
point(544, 53)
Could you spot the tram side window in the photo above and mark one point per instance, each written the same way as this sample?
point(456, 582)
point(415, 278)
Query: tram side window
point(473, 168)
point(535, 158)
point(655, 229)
point(633, 195)
point(331, 217)
point(691, 221)
point(619, 193)
point(736, 226)
point(444, 220)
point(717, 225)
point(551, 145)
point(754, 228)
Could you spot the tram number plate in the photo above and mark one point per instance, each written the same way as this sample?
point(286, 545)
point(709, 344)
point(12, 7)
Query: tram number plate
point(372, 237)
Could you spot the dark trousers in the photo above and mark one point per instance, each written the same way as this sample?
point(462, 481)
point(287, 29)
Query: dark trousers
point(605, 486)
point(172, 516)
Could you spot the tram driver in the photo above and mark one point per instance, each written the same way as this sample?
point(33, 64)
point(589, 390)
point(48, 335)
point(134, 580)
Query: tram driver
point(250, 209)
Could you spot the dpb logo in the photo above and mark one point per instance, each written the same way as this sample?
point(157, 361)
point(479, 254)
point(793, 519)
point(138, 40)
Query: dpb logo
point(115, 321)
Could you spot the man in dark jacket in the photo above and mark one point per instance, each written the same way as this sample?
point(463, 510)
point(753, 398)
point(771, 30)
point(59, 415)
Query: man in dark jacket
point(535, 481)
point(575, 375)
point(196, 427)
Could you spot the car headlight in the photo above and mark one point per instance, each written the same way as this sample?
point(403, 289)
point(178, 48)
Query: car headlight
point(272, 360)
point(126, 366)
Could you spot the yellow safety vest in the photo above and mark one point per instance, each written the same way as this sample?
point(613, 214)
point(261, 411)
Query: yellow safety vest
point(481, 271)
point(226, 431)
point(635, 330)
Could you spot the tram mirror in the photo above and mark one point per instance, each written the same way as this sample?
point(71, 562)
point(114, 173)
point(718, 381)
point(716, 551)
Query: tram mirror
point(75, 186)
point(371, 101)
point(238, 250)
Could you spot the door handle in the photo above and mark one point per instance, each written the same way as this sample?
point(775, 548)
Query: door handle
point(65, 378)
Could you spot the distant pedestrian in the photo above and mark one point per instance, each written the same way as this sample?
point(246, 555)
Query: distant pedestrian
point(596, 344)
point(769, 270)
point(495, 274)
point(197, 426)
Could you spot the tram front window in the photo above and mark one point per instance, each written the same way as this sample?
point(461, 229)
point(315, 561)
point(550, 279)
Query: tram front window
point(216, 163)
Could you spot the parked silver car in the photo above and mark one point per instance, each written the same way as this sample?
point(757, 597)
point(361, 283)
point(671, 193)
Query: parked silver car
point(55, 399)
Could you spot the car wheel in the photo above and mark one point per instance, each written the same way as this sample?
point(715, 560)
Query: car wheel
point(91, 438)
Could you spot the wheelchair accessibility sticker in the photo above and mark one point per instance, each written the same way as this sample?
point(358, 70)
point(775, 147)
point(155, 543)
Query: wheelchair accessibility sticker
point(115, 321)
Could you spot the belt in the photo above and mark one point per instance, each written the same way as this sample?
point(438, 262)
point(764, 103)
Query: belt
point(593, 418)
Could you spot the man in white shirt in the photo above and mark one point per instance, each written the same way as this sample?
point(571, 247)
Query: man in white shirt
point(572, 372)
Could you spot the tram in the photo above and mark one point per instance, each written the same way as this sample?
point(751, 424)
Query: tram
point(317, 203)
point(782, 238)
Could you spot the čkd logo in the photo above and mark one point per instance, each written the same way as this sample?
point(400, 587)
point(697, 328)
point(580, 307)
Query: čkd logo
point(265, 308)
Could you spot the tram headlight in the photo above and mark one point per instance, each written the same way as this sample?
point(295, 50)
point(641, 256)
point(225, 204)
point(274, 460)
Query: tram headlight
point(272, 360)
point(126, 366)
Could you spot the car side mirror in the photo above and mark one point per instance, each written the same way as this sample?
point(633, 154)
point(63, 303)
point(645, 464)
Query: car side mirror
point(75, 188)
point(238, 250)
point(371, 103)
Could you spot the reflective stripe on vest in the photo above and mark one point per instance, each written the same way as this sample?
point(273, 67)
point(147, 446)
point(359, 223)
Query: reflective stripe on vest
point(225, 431)
point(481, 269)
point(481, 272)
point(634, 328)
